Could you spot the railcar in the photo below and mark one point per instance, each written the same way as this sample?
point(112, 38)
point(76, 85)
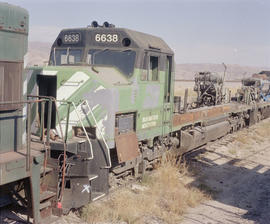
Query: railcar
point(113, 89)
point(20, 164)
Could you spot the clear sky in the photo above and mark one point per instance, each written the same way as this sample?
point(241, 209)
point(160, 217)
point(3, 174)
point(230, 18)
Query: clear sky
point(199, 31)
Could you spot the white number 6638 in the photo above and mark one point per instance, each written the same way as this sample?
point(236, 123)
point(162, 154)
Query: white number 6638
point(106, 38)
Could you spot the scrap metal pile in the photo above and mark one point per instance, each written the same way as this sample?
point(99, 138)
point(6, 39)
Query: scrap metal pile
point(209, 89)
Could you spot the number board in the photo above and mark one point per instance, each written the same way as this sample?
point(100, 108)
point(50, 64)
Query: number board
point(72, 38)
point(106, 38)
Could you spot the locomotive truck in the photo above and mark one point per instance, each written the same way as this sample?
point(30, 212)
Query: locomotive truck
point(103, 108)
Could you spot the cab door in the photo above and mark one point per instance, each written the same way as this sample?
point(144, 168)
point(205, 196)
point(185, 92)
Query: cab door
point(168, 96)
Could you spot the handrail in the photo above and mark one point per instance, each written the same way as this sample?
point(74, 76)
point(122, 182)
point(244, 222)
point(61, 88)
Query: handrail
point(49, 121)
point(20, 102)
point(102, 136)
point(91, 147)
point(28, 137)
point(28, 126)
point(67, 121)
point(50, 100)
point(65, 149)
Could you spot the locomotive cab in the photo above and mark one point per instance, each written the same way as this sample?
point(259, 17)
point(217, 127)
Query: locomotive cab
point(126, 64)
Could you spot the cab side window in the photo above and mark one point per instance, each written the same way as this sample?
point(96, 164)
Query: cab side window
point(153, 70)
point(144, 74)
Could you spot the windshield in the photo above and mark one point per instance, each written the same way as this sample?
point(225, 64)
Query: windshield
point(123, 60)
point(66, 56)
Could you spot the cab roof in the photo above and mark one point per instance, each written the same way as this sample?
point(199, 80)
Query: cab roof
point(138, 40)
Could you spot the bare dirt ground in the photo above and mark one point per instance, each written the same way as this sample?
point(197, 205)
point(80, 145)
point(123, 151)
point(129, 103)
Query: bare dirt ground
point(236, 172)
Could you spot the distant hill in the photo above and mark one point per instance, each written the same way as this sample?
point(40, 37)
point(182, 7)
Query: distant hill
point(234, 72)
point(38, 54)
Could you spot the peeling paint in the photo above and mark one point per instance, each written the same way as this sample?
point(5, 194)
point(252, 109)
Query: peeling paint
point(152, 95)
point(101, 127)
point(48, 72)
point(94, 107)
point(25, 87)
point(99, 88)
point(71, 86)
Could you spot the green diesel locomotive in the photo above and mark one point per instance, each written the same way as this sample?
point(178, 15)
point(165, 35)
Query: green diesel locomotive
point(113, 112)
point(114, 91)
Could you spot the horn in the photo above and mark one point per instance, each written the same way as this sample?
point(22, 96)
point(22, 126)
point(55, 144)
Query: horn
point(94, 24)
point(106, 24)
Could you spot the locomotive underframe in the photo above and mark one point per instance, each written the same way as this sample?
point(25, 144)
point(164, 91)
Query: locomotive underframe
point(87, 180)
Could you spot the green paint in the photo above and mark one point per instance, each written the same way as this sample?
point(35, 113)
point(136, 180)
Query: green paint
point(14, 31)
point(131, 98)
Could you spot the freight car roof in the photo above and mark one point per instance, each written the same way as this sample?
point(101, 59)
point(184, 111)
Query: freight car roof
point(110, 37)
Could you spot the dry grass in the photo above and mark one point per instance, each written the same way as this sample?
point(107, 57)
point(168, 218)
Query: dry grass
point(250, 137)
point(254, 134)
point(161, 195)
point(233, 151)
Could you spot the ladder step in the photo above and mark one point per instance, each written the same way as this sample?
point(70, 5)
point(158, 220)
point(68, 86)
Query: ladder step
point(97, 195)
point(46, 195)
point(45, 205)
